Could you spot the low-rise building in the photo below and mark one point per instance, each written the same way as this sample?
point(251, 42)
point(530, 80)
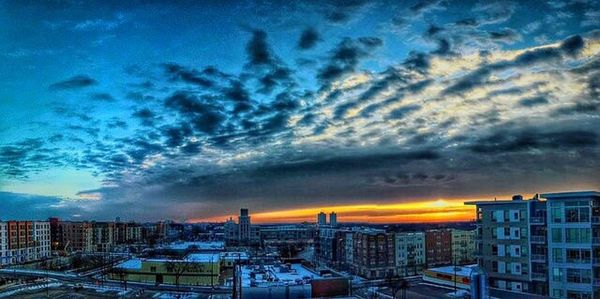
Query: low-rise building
point(198, 269)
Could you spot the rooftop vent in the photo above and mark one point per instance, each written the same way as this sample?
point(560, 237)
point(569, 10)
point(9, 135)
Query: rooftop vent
point(517, 197)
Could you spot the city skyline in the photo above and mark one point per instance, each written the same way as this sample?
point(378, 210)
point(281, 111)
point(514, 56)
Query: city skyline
point(380, 111)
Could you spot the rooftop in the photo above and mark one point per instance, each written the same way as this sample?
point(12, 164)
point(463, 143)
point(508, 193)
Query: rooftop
point(274, 275)
point(460, 270)
point(213, 245)
point(569, 195)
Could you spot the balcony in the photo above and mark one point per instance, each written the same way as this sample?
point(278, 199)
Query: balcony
point(596, 240)
point(596, 219)
point(538, 258)
point(596, 261)
point(538, 239)
point(596, 282)
point(539, 276)
point(537, 220)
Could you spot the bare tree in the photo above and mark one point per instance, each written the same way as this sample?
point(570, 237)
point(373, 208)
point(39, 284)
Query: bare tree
point(177, 268)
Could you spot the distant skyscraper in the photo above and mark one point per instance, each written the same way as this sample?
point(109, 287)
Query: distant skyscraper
point(244, 224)
point(333, 219)
point(321, 219)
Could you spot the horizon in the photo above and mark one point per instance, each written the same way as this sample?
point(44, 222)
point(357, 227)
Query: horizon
point(384, 112)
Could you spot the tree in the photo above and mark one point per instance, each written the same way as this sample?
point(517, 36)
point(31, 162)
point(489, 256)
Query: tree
point(177, 268)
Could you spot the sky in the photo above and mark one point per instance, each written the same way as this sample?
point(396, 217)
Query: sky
point(384, 111)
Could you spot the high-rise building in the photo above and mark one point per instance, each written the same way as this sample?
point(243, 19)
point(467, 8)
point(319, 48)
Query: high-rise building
point(574, 244)
point(438, 247)
point(463, 246)
point(332, 219)
point(511, 245)
point(321, 219)
point(410, 253)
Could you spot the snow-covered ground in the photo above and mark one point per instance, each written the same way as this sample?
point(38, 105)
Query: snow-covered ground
point(26, 288)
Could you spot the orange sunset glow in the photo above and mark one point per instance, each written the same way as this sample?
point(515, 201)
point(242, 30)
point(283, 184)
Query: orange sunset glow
point(441, 210)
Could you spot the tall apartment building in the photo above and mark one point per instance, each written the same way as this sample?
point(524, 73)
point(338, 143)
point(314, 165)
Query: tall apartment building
point(374, 254)
point(438, 247)
point(511, 245)
point(24, 241)
point(574, 244)
point(410, 253)
point(321, 219)
point(463, 246)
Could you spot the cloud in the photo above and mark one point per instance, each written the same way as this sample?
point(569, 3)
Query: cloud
point(308, 38)
point(75, 82)
point(345, 57)
point(533, 101)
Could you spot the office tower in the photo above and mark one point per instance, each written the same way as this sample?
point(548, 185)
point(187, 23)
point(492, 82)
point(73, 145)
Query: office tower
point(333, 219)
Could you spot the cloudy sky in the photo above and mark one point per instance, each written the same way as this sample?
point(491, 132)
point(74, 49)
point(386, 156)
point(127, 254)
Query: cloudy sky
point(192, 110)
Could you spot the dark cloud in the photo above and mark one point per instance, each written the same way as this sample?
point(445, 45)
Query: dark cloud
point(533, 101)
point(402, 112)
point(308, 38)
point(76, 82)
point(146, 116)
point(572, 45)
point(533, 139)
point(102, 96)
point(344, 58)
point(203, 116)
point(258, 50)
point(178, 72)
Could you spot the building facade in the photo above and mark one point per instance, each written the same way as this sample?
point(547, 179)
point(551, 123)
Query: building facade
point(410, 253)
point(374, 254)
point(510, 244)
point(438, 247)
point(574, 244)
point(463, 246)
point(24, 241)
point(242, 233)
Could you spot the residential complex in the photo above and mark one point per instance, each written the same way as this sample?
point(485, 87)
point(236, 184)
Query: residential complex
point(539, 246)
point(438, 246)
point(24, 241)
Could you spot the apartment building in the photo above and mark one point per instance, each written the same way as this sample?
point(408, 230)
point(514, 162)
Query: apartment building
point(504, 247)
point(574, 244)
point(24, 241)
point(463, 246)
point(438, 247)
point(374, 254)
point(410, 253)
point(76, 236)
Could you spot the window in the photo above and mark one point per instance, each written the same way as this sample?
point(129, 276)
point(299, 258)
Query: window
point(557, 274)
point(557, 255)
point(556, 215)
point(557, 235)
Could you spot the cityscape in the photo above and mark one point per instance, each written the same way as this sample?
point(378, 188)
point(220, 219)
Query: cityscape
point(348, 149)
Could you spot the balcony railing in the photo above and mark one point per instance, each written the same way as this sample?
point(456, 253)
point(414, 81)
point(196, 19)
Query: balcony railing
point(538, 239)
point(538, 258)
point(537, 220)
point(596, 261)
point(538, 276)
point(596, 240)
point(596, 219)
point(596, 282)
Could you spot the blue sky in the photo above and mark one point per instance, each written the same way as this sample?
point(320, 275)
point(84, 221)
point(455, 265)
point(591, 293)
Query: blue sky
point(193, 109)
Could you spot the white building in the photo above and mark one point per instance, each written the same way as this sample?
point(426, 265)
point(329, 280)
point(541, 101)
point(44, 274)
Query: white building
point(410, 253)
point(463, 246)
point(24, 241)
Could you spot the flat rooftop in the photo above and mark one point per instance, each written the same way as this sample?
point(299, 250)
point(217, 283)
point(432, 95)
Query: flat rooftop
point(460, 270)
point(214, 245)
point(569, 195)
point(272, 275)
